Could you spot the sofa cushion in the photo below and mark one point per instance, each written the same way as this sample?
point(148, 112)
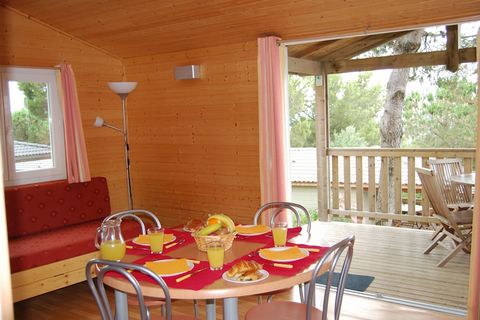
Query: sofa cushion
point(50, 246)
point(40, 207)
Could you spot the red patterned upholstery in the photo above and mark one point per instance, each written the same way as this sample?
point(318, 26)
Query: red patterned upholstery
point(62, 243)
point(48, 206)
point(53, 221)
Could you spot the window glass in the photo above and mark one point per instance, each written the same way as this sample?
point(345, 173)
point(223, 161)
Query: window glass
point(32, 126)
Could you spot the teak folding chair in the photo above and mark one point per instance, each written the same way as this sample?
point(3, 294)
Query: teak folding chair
point(456, 195)
point(457, 223)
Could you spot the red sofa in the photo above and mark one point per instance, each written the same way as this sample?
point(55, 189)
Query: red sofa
point(51, 229)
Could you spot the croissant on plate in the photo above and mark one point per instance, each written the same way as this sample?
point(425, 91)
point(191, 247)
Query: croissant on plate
point(244, 268)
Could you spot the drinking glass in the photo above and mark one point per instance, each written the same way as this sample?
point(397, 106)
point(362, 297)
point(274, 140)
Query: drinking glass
point(215, 254)
point(155, 236)
point(279, 232)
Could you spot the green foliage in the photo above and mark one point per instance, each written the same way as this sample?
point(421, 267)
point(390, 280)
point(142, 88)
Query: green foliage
point(29, 128)
point(348, 137)
point(31, 124)
point(302, 111)
point(445, 118)
point(354, 104)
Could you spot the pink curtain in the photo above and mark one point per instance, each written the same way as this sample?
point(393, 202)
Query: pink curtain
point(272, 117)
point(474, 289)
point(75, 149)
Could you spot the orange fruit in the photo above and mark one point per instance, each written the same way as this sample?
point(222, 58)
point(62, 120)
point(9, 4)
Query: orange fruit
point(213, 221)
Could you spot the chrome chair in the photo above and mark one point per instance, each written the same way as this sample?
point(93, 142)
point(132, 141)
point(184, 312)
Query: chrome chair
point(135, 215)
point(280, 207)
point(280, 310)
point(124, 269)
point(274, 209)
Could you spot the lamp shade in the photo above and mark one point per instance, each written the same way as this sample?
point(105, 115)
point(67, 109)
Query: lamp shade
point(122, 87)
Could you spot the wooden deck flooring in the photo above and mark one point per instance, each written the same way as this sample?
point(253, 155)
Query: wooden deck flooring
point(394, 256)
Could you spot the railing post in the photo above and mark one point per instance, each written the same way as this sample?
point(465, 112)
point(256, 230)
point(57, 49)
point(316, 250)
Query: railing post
point(322, 143)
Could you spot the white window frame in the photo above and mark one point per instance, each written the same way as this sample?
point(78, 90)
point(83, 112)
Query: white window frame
point(57, 140)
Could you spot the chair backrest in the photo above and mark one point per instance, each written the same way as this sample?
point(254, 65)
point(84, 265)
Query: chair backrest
point(332, 256)
point(454, 193)
point(435, 195)
point(135, 215)
point(97, 286)
point(279, 207)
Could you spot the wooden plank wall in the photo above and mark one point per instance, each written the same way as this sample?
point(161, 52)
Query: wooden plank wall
point(24, 42)
point(194, 143)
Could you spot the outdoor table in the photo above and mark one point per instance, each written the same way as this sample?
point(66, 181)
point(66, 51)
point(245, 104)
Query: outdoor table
point(219, 288)
point(464, 178)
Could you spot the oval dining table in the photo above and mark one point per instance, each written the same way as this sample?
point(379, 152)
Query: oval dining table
point(220, 289)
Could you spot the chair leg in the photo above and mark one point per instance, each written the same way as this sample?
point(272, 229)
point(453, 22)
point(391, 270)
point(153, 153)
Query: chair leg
point(452, 253)
point(434, 244)
point(195, 309)
point(300, 291)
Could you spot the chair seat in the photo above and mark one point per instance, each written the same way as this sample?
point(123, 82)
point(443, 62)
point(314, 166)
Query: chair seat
point(281, 310)
point(463, 217)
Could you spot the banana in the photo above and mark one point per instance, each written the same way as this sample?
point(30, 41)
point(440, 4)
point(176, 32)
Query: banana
point(224, 220)
point(209, 229)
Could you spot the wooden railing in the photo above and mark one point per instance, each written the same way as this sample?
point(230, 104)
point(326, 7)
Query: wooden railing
point(354, 185)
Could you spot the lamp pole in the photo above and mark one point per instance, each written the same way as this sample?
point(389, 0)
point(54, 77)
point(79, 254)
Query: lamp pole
point(123, 96)
point(122, 89)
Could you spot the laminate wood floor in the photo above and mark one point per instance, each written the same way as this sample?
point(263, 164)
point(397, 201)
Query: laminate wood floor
point(76, 302)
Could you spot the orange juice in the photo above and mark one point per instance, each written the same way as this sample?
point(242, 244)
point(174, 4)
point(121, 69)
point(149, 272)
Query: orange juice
point(112, 250)
point(156, 241)
point(215, 256)
point(279, 236)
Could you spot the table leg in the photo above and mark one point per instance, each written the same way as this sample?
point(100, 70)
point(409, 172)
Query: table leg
point(230, 309)
point(210, 309)
point(121, 305)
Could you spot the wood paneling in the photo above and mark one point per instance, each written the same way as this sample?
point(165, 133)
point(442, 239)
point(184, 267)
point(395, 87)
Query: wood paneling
point(24, 42)
point(194, 143)
point(138, 28)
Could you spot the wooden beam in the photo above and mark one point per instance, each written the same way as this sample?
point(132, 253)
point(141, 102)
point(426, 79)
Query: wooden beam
point(453, 59)
point(411, 60)
point(361, 45)
point(303, 66)
point(322, 49)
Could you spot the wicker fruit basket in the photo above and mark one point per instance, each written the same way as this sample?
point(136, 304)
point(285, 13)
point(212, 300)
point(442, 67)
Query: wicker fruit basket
point(225, 239)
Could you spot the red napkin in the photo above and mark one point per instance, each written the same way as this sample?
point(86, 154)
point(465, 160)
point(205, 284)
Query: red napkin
point(195, 282)
point(179, 235)
point(267, 237)
point(298, 265)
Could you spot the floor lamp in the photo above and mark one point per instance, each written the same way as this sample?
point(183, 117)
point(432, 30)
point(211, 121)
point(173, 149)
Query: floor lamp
point(122, 89)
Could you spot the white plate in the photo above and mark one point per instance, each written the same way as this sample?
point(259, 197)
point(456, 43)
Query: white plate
point(252, 234)
point(189, 263)
point(146, 244)
point(264, 276)
point(304, 251)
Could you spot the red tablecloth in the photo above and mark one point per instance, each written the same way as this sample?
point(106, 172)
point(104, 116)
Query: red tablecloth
point(179, 236)
point(195, 282)
point(267, 237)
point(298, 265)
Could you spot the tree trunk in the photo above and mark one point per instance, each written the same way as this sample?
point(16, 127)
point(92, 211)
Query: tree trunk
point(391, 123)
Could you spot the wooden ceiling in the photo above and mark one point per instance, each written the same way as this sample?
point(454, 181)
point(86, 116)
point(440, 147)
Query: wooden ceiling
point(127, 28)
